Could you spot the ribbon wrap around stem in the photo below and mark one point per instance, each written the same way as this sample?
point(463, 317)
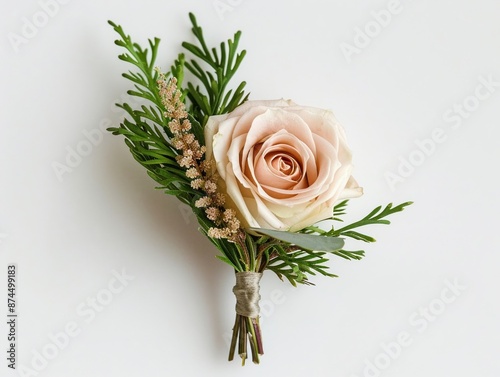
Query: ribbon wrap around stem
point(247, 294)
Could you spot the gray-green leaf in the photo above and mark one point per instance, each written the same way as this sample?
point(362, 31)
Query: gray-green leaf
point(305, 241)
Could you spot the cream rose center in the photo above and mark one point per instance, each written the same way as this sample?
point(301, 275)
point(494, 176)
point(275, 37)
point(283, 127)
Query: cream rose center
point(284, 166)
point(279, 165)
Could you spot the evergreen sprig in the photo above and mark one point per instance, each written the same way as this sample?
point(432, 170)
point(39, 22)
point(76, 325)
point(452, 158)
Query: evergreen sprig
point(145, 130)
point(296, 265)
point(151, 149)
point(223, 64)
point(377, 216)
point(299, 263)
point(145, 81)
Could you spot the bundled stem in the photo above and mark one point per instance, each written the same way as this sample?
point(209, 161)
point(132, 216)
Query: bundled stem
point(246, 329)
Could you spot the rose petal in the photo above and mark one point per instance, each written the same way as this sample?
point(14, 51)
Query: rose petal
point(272, 121)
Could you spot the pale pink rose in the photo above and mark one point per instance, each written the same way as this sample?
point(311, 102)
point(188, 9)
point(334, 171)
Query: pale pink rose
point(282, 166)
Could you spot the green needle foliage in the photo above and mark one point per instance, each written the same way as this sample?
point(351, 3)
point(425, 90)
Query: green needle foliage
point(222, 64)
point(145, 130)
point(296, 265)
point(294, 260)
point(377, 216)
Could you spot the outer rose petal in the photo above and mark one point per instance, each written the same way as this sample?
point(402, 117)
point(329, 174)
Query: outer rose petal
point(351, 190)
point(238, 142)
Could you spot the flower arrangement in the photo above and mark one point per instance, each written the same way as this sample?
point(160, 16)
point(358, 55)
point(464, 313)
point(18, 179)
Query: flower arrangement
point(258, 175)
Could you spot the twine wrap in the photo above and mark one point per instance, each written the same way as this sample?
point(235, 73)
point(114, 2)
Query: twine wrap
point(247, 294)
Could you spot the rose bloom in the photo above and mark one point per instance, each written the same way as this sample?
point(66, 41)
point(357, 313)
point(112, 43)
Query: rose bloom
point(282, 166)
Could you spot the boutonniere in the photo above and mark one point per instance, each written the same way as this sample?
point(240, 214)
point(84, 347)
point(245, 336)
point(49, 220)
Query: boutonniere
point(260, 175)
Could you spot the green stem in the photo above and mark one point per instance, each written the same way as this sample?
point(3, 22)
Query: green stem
point(242, 349)
point(253, 340)
point(258, 333)
point(234, 338)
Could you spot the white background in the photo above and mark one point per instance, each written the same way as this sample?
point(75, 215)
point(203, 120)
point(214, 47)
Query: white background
point(68, 234)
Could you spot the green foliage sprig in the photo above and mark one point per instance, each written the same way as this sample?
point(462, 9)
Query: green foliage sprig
point(223, 63)
point(145, 130)
point(295, 260)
